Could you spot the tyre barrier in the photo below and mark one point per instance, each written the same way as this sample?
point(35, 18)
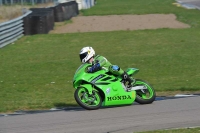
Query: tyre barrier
point(36, 24)
point(65, 11)
point(41, 20)
point(49, 12)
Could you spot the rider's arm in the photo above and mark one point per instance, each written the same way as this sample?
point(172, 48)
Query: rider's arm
point(100, 61)
point(94, 68)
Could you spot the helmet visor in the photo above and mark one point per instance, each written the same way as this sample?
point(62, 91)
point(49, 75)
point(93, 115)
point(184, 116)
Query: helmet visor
point(83, 55)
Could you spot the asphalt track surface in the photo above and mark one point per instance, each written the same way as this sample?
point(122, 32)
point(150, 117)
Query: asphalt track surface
point(190, 4)
point(162, 114)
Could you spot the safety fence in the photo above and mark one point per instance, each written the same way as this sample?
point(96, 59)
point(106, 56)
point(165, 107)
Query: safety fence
point(12, 30)
point(24, 2)
point(36, 21)
point(83, 4)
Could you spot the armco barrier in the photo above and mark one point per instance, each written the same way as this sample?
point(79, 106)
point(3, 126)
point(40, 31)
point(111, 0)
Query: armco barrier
point(12, 30)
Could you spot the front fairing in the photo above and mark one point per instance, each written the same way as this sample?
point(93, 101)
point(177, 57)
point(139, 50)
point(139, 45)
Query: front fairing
point(81, 74)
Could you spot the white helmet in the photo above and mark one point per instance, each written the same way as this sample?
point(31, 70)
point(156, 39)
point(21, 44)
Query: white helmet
point(86, 53)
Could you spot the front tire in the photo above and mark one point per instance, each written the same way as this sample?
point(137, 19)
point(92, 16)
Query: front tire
point(87, 101)
point(147, 96)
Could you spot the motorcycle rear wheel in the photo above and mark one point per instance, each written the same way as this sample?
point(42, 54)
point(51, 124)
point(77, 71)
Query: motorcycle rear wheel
point(87, 101)
point(146, 97)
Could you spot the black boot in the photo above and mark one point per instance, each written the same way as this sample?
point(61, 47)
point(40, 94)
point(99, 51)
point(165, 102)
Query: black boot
point(126, 78)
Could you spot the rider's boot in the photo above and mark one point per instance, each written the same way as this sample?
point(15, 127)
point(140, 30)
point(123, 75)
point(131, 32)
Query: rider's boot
point(126, 77)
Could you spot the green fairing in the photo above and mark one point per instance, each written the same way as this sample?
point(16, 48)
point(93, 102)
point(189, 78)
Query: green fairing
point(107, 88)
point(110, 86)
point(131, 71)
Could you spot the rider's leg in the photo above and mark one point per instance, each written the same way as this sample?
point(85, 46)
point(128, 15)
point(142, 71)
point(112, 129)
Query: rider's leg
point(126, 77)
point(118, 71)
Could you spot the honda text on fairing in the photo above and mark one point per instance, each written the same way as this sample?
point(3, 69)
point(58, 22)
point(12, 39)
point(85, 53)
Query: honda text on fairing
point(102, 88)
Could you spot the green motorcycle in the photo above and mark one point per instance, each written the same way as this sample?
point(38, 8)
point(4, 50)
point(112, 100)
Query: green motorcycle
point(101, 88)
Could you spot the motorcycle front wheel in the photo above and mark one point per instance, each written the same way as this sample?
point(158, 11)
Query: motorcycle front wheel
point(88, 101)
point(145, 96)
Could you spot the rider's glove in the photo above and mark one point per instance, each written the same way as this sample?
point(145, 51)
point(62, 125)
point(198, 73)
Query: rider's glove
point(94, 68)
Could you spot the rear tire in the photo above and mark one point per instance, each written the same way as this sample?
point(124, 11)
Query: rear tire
point(147, 97)
point(89, 102)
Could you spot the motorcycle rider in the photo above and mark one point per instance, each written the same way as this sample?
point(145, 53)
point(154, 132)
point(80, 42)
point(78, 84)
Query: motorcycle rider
point(87, 55)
